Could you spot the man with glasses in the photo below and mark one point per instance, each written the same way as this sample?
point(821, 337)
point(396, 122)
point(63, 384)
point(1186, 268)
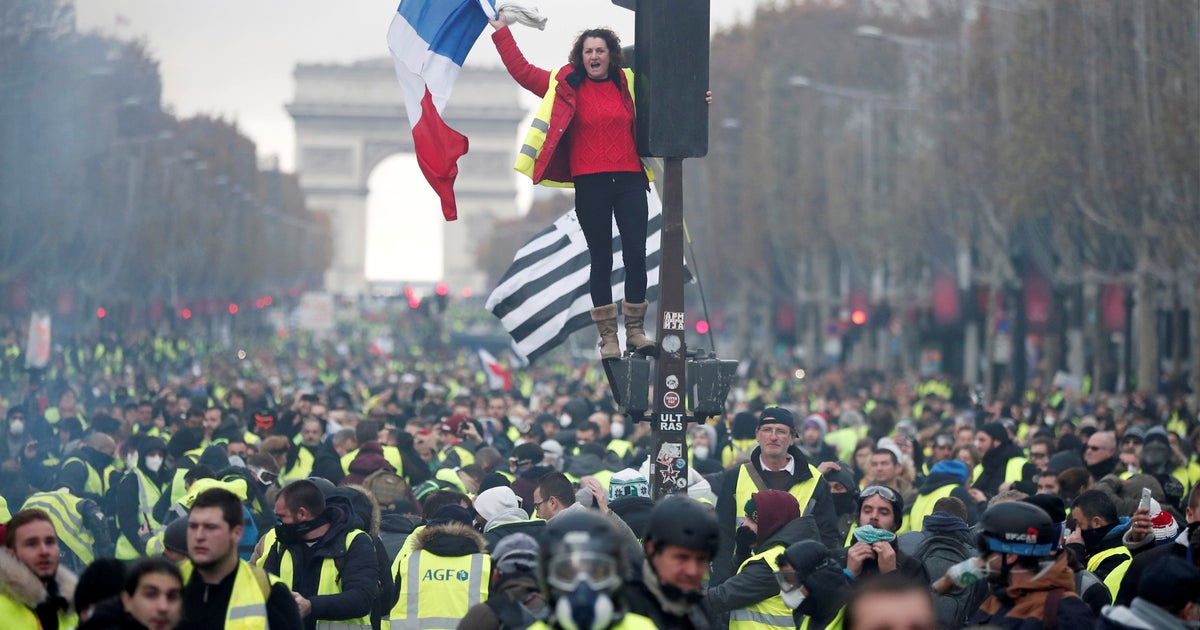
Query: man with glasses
point(1101, 454)
point(873, 549)
point(1040, 450)
point(940, 450)
point(775, 464)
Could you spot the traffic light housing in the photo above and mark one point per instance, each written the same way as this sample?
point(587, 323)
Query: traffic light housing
point(708, 382)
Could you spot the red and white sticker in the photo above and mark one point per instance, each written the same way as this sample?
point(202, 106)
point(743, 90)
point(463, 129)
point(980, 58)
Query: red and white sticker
point(671, 400)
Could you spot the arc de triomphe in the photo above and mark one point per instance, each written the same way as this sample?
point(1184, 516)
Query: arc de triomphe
point(349, 118)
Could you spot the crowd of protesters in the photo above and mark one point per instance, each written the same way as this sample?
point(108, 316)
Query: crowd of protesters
point(165, 483)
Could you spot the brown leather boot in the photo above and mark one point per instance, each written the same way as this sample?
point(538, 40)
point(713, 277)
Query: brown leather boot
point(635, 318)
point(606, 322)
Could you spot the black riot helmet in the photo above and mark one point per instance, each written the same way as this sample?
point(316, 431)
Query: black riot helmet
point(1018, 528)
point(679, 520)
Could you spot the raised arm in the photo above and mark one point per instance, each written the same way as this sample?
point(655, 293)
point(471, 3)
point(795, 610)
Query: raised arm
point(529, 76)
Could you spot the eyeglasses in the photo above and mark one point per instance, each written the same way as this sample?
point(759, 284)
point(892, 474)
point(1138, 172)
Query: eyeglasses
point(883, 491)
point(537, 505)
point(1093, 447)
point(1038, 455)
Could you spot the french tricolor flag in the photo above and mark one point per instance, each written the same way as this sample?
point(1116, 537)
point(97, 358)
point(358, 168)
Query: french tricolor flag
point(429, 40)
point(498, 377)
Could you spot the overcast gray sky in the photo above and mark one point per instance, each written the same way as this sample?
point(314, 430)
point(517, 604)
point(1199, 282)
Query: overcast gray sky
point(234, 58)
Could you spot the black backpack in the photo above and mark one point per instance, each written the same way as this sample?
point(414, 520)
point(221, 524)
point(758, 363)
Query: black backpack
point(938, 553)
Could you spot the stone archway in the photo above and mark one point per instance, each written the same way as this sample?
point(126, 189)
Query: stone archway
point(349, 118)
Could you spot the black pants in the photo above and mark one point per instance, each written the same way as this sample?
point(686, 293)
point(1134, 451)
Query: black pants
point(598, 198)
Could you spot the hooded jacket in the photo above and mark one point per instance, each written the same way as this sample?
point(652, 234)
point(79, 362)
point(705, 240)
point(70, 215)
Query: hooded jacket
point(327, 463)
point(358, 565)
point(960, 492)
point(504, 604)
point(756, 581)
point(1024, 608)
point(74, 474)
point(512, 521)
point(822, 511)
point(369, 459)
point(25, 600)
point(995, 464)
point(394, 529)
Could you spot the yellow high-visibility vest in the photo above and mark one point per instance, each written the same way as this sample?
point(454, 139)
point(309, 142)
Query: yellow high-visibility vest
point(437, 591)
point(247, 608)
point(535, 138)
point(329, 583)
point(63, 509)
point(770, 613)
point(1114, 577)
point(96, 483)
point(148, 495)
point(923, 506)
point(746, 488)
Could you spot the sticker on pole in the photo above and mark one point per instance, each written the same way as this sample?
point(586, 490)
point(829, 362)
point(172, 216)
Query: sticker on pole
point(672, 320)
point(672, 381)
point(671, 400)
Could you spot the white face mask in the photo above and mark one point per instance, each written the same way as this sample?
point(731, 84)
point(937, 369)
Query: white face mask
point(701, 452)
point(564, 420)
point(793, 598)
point(131, 461)
point(16, 427)
point(154, 462)
point(618, 430)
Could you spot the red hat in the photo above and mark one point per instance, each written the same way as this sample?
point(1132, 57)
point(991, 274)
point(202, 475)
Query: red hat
point(453, 424)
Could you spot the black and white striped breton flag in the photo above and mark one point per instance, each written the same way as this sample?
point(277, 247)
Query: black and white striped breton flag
point(543, 297)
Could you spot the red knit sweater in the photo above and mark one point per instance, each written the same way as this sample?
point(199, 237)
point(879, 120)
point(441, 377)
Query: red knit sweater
point(601, 133)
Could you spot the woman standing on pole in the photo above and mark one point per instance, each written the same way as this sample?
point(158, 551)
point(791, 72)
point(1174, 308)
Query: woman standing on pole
point(583, 136)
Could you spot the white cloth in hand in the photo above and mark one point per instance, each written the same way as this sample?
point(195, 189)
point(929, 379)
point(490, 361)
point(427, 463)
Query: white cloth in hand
point(515, 11)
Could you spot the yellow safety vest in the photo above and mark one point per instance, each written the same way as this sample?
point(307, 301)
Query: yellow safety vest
point(770, 613)
point(729, 453)
point(465, 457)
point(620, 447)
point(63, 509)
point(148, 495)
point(1012, 469)
point(923, 506)
point(5, 515)
point(536, 136)
point(301, 468)
point(95, 484)
point(746, 488)
point(248, 602)
point(437, 591)
point(1114, 577)
point(329, 583)
point(390, 453)
point(16, 615)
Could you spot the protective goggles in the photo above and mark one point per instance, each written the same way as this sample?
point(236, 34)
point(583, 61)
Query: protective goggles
point(887, 493)
point(566, 572)
point(789, 580)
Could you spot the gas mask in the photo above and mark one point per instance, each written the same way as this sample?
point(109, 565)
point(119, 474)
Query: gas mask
point(584, 609)
point(585, 582)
